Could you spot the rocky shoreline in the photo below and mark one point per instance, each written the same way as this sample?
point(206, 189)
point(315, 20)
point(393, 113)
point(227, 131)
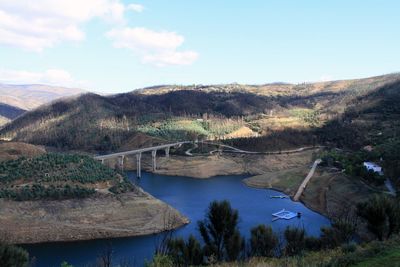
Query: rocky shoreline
point(103, 216)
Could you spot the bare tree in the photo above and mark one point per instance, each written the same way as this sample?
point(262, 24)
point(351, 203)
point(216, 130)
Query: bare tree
point(163, 239)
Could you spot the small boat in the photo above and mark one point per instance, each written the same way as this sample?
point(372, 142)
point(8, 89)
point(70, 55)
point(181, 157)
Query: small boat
point(281, 197)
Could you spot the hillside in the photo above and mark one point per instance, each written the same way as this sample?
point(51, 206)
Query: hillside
point(281, 112)
point(14, 150)
point(58, 176)
point(68, 197)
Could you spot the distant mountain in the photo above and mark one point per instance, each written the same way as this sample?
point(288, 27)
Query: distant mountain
point(10, 112)
point(105, 123)
point(30, 96)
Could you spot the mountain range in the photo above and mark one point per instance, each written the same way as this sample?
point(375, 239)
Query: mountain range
point(287, 115)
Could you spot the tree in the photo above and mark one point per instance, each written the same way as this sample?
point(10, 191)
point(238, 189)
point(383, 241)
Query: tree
point(295, 241)
point(220, 233)
point(382, 215)
point(340, 232)
point(262, 241)
point(12, 256)
point(185, 253)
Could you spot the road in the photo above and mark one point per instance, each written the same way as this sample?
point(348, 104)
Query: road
point(306, 180)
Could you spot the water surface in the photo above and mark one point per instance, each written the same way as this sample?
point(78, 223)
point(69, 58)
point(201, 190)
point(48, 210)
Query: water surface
point(191, 197)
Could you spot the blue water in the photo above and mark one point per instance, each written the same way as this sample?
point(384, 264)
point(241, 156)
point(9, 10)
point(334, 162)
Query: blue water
point(191, 197)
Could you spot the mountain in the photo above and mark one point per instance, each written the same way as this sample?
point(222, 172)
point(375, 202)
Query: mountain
point(31, 96)
point(17, 99)
point(275, 111)
point(8, 113)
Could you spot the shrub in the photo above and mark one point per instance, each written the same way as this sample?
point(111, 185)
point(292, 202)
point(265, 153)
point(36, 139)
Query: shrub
point(295, 241)
point(12, 256)
point(185, 253)
point(220, 233)
point(262, 241)
point(382, 215)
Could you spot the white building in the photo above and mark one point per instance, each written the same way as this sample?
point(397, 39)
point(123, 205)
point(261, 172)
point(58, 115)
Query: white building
point(373, 167)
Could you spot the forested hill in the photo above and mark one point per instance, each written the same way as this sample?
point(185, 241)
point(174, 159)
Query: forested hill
point(93, 122)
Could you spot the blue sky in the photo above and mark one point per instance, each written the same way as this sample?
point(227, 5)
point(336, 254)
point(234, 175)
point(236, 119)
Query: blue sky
point(115, 46)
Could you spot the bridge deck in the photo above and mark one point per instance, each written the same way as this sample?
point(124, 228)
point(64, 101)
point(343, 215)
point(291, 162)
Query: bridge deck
point(137, 151)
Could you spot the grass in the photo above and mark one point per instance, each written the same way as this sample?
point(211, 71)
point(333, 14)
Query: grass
point(373, 254)
point(387, 258)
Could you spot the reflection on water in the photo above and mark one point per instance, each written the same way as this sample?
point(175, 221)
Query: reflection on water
point(191, 197)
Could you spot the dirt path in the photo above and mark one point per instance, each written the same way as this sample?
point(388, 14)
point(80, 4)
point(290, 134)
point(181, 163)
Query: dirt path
point(306, 180)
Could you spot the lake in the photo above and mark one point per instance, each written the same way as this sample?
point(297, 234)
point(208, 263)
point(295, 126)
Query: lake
point(191, 197)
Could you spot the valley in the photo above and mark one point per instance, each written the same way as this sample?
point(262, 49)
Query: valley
point(52, 190)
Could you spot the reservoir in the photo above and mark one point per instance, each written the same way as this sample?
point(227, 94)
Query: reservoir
point(191, 198)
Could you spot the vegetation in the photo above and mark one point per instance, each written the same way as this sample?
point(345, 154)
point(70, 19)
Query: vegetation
point(352, 163)
point(326, 113)
point(12, 256)
point(335, 247)
point(263, 241)
point(220, 232)
point(57, 176)
point(382, 215)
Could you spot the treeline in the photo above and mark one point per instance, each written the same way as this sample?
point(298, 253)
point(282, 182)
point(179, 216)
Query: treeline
point(56, 167)
point(276, 141)
point(40, 192)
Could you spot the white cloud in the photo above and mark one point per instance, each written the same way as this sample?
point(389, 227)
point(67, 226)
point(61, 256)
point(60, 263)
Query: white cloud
point(155, 47)
point(35, 25)
point(49, 77)
point(135, 7)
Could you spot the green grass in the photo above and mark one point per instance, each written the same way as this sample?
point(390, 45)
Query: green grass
point(387, 258)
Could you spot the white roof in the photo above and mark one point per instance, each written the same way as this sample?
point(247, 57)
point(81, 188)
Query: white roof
point(372, 164)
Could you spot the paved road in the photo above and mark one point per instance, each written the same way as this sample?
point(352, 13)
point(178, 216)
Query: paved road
point(306, 180)
point(240, 151)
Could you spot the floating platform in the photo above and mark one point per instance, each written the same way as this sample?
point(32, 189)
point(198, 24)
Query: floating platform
point(285, 214)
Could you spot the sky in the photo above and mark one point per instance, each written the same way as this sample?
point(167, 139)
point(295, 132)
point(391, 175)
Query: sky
point(112, 46)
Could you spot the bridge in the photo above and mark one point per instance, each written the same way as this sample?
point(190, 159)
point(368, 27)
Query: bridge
point(138, 152)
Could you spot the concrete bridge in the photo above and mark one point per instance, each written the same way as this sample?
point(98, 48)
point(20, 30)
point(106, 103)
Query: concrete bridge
point(138, 152)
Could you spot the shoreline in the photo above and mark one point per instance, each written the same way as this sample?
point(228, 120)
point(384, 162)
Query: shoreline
point(291, 198)
point(125, 215)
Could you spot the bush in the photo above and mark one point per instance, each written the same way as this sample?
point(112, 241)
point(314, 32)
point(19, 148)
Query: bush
point(220, 233)
point(262, 241)
point(295, 241)
point(160, 261)
point(382, 215)
point(185, 253)
point(12, 256)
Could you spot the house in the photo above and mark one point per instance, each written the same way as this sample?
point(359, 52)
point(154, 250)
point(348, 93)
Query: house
point(370, 166)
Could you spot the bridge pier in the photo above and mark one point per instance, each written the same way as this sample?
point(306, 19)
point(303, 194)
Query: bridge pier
point(167, 152)
point(138, 165)
point(153, 157)
point(102, 161)
point(121, 162)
